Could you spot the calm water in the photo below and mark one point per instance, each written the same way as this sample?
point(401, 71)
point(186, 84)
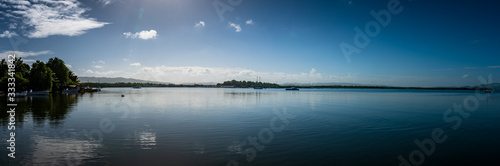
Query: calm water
point(203, 126)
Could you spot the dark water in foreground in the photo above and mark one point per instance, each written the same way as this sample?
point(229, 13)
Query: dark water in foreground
point(200, 126)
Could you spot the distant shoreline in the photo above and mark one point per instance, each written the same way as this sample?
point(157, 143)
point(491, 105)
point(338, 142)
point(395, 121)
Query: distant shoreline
point(130, 85)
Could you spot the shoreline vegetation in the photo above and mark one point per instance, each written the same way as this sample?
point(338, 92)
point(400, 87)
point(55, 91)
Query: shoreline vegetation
point(52, 76)
point(251, 84)
point(55, 76)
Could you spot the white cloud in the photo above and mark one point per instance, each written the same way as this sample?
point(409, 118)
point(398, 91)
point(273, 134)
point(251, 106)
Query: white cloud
point(249, 22)
point(135, 64)
point(111, 73)
point(105, 2)
point(99, 62)
point(21, 54)
point(236, 27)
point(3, 5)
point(9, 15)
point(465, 76)
point(17, 2)
point(200, 24)
point(126, 59)
point(51, 17)
point(144, 35)
point(68, 65)
point(8, 34)
point(28, 61)
point(12, 25)
point(313, 70)
point(98, 67)
point(127, 34)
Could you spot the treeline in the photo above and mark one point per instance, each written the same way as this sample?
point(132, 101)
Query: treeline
point(247, 84)
point(52, 76)
point(130, 84)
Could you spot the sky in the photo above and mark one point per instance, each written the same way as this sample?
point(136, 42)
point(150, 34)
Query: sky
point(385, 42)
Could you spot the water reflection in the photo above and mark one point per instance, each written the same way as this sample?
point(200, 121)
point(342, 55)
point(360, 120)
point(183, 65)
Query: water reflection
point(52, 108)
point(57, 151)
point(145, 138)
point(247, 94)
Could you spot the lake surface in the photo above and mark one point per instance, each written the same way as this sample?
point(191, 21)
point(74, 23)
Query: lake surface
point(213, 126)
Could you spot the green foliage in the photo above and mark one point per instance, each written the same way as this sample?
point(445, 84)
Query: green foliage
point(3, 75)
point(22, 83)
point(22, 68)
point(41, 76)
point(3, 68)
point(21, 74)
point(73, 78)
point(60, 71)
point(50, 76)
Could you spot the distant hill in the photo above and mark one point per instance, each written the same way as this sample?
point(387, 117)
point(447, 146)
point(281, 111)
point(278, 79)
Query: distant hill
point(200, 83)
point(115, 80)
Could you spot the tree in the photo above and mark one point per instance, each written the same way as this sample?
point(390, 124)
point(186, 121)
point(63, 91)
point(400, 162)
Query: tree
point(22, 68)
point(61, 72)
point(22, 75)
point(3, 75)
point(41, 76)
point(22, 71)
point(3, 68)
point(73, 78)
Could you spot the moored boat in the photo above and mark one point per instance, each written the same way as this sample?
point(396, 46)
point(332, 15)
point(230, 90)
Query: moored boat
point(88, 89)
point(21, 94)
point(70, 91)
point(38, 93)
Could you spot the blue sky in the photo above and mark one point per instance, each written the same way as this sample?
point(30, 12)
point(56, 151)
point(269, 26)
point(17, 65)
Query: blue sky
point(425, 43)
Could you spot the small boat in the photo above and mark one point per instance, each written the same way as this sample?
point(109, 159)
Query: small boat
point(70, 91)
point(88, 89)
point(38, 93)
point(22, 94)
point(487, 90)
point(137, 87)
point(292, 88)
